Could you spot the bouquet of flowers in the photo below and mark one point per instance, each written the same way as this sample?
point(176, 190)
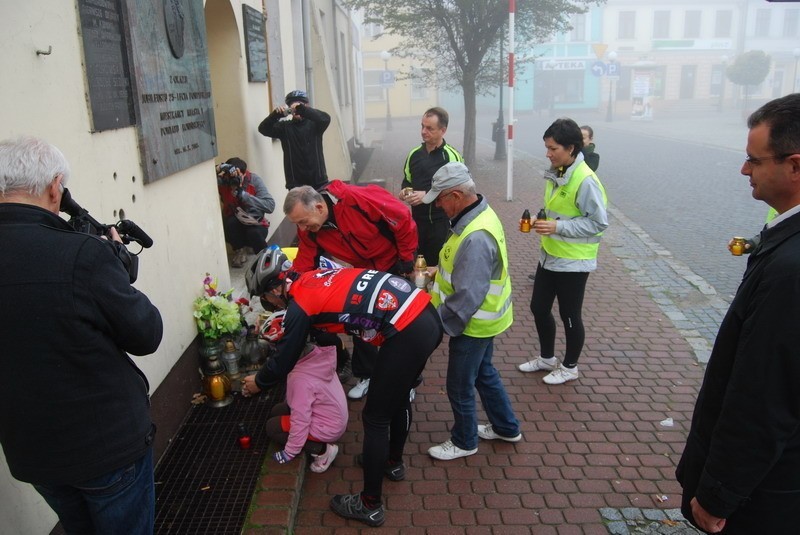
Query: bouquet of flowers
point(216, 313)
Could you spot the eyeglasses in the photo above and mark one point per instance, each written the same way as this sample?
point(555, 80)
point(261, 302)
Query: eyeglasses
point(752, 160)
point(446, 195)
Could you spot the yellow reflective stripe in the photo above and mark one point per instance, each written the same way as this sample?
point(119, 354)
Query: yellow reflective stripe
point(588, 240)
point(495, 289)
point(446, 275)
point(486, 315)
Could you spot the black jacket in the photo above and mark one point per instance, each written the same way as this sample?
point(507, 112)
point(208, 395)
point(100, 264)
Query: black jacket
point(301, 141)
point(742, 456)
point(591, 158)
point(418, 171)
point(75, 406)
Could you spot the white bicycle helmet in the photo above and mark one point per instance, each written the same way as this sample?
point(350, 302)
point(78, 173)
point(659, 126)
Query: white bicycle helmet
point(264, 273)
point(272, 328)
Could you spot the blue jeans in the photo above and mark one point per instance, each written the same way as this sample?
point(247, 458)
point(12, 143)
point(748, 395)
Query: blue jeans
point(469, 367)
point(122, 501)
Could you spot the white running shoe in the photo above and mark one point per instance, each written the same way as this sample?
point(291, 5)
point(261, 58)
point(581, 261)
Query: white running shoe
point(487, 432)
point(447, 451)
point(323, 461)
point(539, 364)
point(561, 375)
point(360, 390)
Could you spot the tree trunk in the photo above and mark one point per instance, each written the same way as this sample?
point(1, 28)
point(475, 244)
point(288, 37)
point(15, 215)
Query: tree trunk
point(468, 145)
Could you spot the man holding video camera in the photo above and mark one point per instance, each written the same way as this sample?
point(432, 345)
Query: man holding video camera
point(245, 203)
point(80, 431)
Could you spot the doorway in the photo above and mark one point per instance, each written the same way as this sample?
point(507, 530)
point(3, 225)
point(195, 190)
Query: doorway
point(688, 75)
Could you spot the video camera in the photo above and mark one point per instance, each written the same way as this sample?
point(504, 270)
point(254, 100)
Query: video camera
point(128, 231)
point(228, 174)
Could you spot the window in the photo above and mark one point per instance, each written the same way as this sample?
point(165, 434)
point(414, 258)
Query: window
point(419, 89)
point(762, 23)
point(790, 26)
point(661, 24)
point(717, 80)
point(373, 90)
point(578, 32)
point(724, 23)
point(627, 23)
point(691, 28)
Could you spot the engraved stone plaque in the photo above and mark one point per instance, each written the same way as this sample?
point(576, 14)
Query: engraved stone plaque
point(106, 59)
point(255, 44)
point(172, 97)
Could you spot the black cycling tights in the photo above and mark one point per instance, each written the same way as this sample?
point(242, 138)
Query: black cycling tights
point(569, 288)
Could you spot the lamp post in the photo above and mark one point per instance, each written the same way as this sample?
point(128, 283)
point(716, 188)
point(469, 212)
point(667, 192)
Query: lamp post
point(724, 60)
point(499, 130)
point(796, 54)
point(385, 56)
point(612, 57)
point(551, 90)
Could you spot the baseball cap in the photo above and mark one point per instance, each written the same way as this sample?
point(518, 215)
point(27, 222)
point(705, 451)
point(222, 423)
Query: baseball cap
point(448, 176)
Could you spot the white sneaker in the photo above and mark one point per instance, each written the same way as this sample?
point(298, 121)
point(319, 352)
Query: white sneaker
point(412, 394)
point(486, 432)
point(324, 460)
point(360, 390)
point(539, 364)
point(561, 375)
point(447, 451)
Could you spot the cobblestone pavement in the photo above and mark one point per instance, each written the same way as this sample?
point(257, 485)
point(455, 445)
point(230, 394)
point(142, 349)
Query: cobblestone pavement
point(598, 454)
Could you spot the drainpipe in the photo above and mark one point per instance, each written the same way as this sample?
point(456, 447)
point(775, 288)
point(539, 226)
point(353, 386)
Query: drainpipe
point(307, 13)
point(335, 62)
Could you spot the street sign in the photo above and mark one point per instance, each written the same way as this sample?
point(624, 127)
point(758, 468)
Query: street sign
point(599, 50)
point(598, 68)
point(387, 79)
point(612, 69)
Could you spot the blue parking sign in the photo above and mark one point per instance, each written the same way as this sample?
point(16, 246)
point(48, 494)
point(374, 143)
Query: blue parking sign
point(387, 78)
point(612, 69)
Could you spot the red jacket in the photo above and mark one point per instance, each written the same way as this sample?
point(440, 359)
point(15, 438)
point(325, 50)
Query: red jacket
point(366, 303)
point(367, 227)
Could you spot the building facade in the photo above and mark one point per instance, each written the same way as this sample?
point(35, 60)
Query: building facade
point(144, 98)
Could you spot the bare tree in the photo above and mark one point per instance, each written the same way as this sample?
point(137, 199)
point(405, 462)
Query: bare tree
point(455, 38)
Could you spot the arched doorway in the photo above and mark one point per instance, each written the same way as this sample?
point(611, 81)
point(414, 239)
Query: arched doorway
point(224, 57)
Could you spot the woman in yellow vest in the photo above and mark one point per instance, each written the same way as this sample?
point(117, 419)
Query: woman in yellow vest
point(575, 204)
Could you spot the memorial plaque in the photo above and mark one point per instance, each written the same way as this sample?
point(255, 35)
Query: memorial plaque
point(255, 44)
point(106, 59)
point(172, 98)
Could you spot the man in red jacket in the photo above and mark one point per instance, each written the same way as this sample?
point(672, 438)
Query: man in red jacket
point(363, 226)
point(384, 310)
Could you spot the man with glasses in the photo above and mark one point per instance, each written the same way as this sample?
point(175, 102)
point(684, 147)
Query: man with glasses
point(740, 469)
point(472, 294)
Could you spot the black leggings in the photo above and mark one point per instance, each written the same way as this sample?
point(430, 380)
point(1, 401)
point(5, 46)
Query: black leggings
point(569, 288)
point(387, 412)
point(280, 437)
